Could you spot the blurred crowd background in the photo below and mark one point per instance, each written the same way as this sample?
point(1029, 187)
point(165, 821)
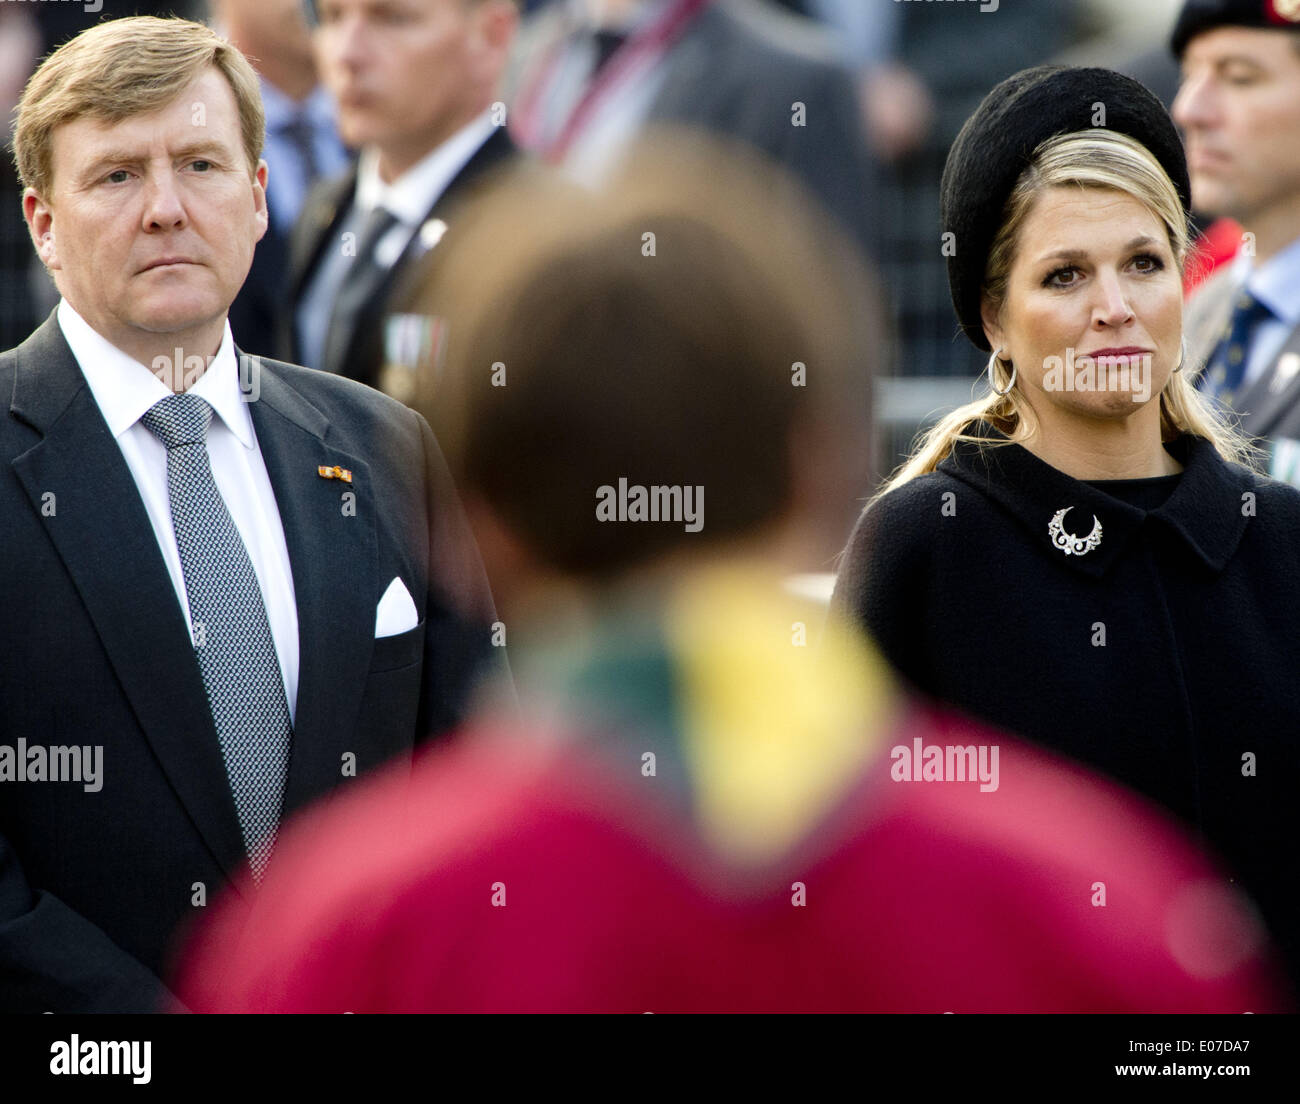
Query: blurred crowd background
point(917, 72)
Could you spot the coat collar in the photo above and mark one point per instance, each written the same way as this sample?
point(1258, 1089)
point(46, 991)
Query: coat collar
point(1204, 512)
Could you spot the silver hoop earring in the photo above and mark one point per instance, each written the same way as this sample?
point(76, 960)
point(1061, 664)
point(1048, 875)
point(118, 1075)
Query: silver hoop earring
point(993, 359)
point(1182, 354)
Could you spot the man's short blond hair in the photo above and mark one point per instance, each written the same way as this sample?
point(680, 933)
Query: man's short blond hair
point(122, 68)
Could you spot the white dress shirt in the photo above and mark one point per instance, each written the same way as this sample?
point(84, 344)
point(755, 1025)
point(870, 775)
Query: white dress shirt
point(411, 196)
point(124, 389)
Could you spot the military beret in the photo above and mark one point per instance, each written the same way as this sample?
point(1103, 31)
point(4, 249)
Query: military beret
point(999, 139)
point(1204, 15)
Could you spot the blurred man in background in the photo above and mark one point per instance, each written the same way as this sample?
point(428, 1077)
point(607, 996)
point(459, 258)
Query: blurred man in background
point(591, 74)
point(302, 146)
point(415, 82)
point(701, 810)
point(20, 43)
point(1239, 105)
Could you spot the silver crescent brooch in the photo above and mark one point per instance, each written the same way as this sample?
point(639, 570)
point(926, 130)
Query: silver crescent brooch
point(1067, 542)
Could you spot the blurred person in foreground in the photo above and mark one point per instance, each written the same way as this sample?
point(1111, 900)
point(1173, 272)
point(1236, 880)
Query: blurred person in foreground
point(702, 811)
point(1079, 557)
point(1239, 105)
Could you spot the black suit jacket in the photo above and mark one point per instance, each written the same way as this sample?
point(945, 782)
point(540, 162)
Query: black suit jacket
point(324, 213)
point(94, 886)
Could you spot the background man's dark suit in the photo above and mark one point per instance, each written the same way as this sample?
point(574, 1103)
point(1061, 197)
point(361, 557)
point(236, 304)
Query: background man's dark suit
point(97, 651)
point(258, 310)
point(317, 230)
point(736, 72)
point(1270, 406)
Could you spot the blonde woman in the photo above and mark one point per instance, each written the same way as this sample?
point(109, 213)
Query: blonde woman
point(1083, 556)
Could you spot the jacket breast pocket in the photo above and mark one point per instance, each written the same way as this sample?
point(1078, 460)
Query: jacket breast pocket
point(400, 650)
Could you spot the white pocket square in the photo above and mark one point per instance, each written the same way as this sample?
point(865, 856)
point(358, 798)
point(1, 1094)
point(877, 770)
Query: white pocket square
point(396, 612)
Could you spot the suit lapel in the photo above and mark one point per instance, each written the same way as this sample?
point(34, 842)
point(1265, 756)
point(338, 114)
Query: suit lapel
point(1275, 392)
point(691, 87)
point(100, 530)
point(332, 554)
point(322, 211)
point(1207, 316)
point(492, 154)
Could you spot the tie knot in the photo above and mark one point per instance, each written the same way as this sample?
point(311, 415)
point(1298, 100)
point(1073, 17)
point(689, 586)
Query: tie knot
point(178, 420)
point(607, 45)
point(378, 222)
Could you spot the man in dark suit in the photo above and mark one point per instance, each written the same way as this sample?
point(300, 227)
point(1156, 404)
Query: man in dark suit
point(415, 97)
point(233, 584)
point(1239, 104)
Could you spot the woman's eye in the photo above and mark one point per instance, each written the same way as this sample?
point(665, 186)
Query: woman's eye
point(1148, 262)
point(202, 166)
point(1058, 278)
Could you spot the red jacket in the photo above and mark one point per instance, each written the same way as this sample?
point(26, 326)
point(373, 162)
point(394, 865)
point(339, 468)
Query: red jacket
point(502, 876)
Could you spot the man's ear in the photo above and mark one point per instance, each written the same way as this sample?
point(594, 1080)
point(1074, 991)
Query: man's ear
point(992, 324)
point(40, 225)
point(259, 200)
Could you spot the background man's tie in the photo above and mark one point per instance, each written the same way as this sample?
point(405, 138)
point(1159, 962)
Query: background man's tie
point(298, 129)
point(1226, 368)
point(359, 284)
point(232, 636)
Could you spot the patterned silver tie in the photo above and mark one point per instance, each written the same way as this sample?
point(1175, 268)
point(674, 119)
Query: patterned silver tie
point(232, 636)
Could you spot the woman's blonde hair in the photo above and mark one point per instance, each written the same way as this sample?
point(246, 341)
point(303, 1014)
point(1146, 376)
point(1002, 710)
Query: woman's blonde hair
point(1097, 158)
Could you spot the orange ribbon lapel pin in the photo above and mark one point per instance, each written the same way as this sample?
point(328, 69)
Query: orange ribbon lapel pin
point(334, 473)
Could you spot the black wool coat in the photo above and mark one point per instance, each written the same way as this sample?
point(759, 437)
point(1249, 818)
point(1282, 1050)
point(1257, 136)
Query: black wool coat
point(1168, 656)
